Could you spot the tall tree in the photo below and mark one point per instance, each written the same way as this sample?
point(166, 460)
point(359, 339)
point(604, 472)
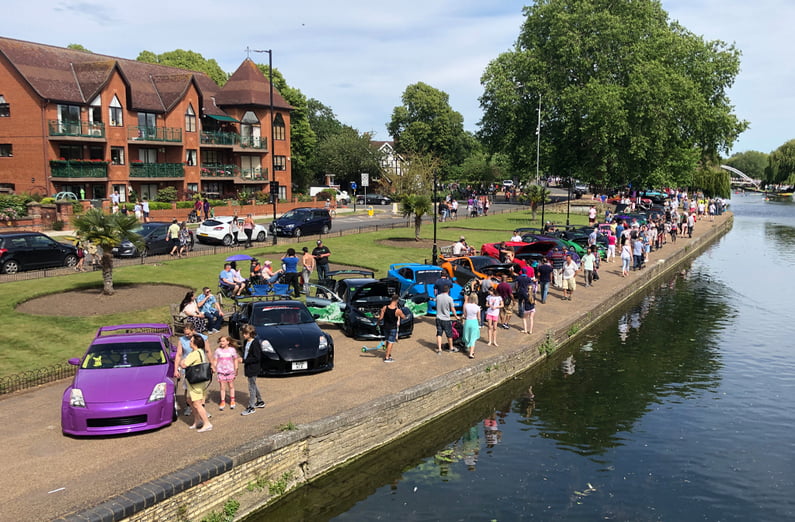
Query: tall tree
point(426, 123)
point(415, 186)
point(187, 60)
point(751, 163)
point(781, 165)
point(626, 96)
point(107, 231)
point(347, 154)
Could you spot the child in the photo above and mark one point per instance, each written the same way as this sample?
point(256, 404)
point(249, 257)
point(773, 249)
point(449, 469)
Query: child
point(252, 356)
point(494, 303)
point(225, 364)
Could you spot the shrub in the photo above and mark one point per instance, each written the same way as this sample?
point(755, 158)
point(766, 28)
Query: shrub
point(185, 204)
point(324, 195)
point(58, 225)
point(159, 205)
point(13, 206)
point(47, 201)
point(166, 195)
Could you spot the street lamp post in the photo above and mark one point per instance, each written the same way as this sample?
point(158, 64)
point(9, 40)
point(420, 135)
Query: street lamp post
point(568, 203)
point(274, 197)
point(434, 251)
point(538, 161)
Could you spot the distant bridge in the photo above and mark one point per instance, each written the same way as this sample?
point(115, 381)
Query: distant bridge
point(739, 178)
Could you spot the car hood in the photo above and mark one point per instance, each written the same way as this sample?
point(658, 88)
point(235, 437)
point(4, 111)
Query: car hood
point(119, 384)
point(292, 342)
point(376, 289)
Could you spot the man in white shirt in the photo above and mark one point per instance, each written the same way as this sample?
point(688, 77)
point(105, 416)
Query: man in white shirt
point(570, 269)
point(516, 236)
point(460, 248)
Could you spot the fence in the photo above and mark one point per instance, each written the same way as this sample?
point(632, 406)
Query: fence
point(36, 377)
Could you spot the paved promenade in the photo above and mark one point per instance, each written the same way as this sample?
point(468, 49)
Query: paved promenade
point(47, 475)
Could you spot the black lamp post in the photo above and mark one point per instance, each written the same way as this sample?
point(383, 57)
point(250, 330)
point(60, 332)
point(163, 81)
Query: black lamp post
point(568, 203)
point(274, 197)
point(434, 250)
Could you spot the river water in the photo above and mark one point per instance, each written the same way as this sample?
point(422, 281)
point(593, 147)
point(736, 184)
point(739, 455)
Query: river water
point(677, 408)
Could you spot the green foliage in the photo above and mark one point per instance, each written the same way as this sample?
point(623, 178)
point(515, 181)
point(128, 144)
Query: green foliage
point(549, 344)
point(347, 154)
point(187, 60)
point(289, 426)
point(573, 329)
point(712, 182)
point(184, 204)
point(231, 507)
point(781, 165)
point(416, 205)
point(77, 47)
point(166, 195)
point(535, 195)
point(626, 96)
point(13, 206)
point(58, 225)
point(751, 163)
point(426, 124)
point(278, 487)
point(160, 205)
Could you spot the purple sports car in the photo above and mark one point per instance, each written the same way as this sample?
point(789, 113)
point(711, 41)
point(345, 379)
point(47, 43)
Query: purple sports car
point(124, 382)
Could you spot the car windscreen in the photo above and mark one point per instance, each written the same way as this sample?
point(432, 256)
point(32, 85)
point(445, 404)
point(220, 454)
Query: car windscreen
point(213, 223)
point(374, 292)
point(123, 355)
point(480, 262)
point(294, 214)
point(280, 315)
point(427, 276)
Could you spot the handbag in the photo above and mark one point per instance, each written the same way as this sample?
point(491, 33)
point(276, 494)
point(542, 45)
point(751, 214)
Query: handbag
point(199, 373)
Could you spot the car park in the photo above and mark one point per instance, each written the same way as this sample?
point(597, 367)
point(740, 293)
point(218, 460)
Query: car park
point(153, 236)
point(417, 280)
point(292, 341)
point(302, 221)
point(124, 382)
point(218, 229)
point(33, 250)
point(373, 199)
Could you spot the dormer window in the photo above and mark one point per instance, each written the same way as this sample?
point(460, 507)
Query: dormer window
point(190, 119)
point(5, 108)
point(116, 113)
point(279, 132)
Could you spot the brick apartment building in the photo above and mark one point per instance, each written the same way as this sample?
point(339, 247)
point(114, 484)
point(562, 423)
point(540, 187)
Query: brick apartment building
point(92, 124)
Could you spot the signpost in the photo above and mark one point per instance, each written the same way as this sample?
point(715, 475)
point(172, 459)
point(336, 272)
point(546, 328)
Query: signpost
point(274, 186)
point(365, 184)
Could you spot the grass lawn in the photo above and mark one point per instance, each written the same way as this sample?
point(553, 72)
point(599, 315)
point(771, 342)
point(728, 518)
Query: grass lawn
point(35, 341)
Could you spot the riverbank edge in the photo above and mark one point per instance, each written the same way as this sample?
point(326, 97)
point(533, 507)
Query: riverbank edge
point(259, 472)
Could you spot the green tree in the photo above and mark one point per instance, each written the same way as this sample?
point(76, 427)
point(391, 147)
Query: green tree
point(107, 231)
point(626, 96)
point(77, 47)
point(535, 195)
point(712, 181)
point(781, 165)
point(426, 123)
point(187, 60)
point(417, 205)
point(347, 154)
point(751, 162)
point(415, 186)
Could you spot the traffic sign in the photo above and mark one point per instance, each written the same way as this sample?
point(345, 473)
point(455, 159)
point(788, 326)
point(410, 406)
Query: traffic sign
point(365, 179)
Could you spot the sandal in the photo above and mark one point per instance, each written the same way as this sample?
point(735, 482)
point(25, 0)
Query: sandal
point(471, 355)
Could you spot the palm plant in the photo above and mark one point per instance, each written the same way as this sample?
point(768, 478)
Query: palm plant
point(417, 205)
point(107, 231)
point(535, 195)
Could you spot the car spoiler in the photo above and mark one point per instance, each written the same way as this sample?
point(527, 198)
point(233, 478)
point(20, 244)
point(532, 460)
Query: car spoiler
point(365, 273)
point(135, 328)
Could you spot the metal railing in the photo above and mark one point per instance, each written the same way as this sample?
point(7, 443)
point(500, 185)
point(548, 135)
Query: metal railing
point(219, 138)
point(218, 170)
point(36, 377)
point(253, 142)
point(157, 170)
point(79, 170)
point(170, 134)
point(82, 129)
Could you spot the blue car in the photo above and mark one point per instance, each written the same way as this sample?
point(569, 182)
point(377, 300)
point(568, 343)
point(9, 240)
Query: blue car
point(417, 280)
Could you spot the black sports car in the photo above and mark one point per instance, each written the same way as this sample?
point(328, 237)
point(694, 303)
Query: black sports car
point(154, 239)
point(292, 342)
point(363, 299)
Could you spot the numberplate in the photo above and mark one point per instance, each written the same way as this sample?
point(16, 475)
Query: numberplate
point(301, 365)
point(202, 234)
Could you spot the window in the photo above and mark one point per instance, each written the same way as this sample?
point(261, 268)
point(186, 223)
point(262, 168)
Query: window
point(68, 113)
point(6, 151)
point(116, 113)
point(95, 110)
point(278, 128)
point(5, 108)
point(147, 119)
point(190, 120)
point(70, 152)
point(193, 187)
point(117, 155)
point(210, 156)
point(190, 158)
point(96, 153)
point(147, 155)
point(279, 163)
point(250, 130)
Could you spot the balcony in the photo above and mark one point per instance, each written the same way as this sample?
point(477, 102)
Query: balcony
point(253, 142)
point(219, 138)
point(218, 170)
point(157, 170)
point(159, 134)
point(76, 129)
point(79, 169)
point(253, 175)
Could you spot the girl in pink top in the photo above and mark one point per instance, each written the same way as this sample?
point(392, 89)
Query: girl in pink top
point(225, 363)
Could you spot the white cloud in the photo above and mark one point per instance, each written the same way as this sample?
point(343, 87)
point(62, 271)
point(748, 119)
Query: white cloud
point(358, 56)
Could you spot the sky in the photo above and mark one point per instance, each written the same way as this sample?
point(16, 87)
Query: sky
point(357, 57)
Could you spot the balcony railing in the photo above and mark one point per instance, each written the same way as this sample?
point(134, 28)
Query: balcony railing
point(81, 129)
point(79, 169)
point(157, 170)
point(254, 174)
point(253, 142)
point(214, 170)
point(170, 134)
point(219, 138)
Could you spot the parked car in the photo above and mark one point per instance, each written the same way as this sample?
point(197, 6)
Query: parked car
point(153, 235)
point(579, 189)
point(302, 221)
point(219, 230)
point(124, 383)
point(292, 341)
point(31, 250)
point(507, 184)
point(418, 280)
point(373, 199)
point(467, 269)
point(363, 299)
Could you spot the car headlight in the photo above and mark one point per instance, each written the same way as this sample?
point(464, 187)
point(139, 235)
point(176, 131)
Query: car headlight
point(267, 347)
point(323, 343)
point(289, 226)
point(158, 392)
point(76, 398)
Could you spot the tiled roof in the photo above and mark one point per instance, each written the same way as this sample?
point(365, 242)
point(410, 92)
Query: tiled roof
point(249, 87)
point(66, 75)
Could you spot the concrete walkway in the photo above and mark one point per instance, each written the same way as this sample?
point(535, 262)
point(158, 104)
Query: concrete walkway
point(47, 475)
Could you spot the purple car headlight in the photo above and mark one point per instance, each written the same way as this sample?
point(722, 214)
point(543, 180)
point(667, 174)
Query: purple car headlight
point(76, 398)
point(323, 343)
point(158, 392)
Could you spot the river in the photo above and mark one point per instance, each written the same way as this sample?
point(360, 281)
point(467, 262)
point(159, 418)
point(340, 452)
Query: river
point(676, 408)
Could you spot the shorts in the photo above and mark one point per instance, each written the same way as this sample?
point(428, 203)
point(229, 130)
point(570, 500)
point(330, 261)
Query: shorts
point(569, 284)
point(391, 335)
point(445, 327)
point(226, 377)
point(493, 317)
